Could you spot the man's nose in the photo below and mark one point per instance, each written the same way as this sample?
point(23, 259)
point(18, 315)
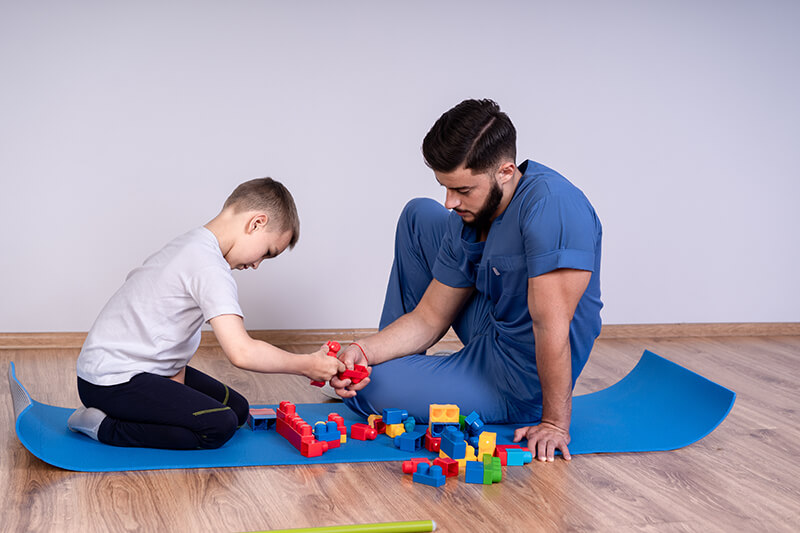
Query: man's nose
point(451, 201)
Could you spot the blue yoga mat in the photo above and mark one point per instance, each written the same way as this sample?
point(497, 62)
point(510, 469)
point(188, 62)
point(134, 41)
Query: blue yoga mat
point(658, 406)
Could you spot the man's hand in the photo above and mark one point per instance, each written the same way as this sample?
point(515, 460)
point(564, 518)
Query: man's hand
point(544, 440)
point(322, 367)
point(350, 356)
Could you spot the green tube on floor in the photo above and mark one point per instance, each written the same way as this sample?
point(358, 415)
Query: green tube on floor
point(384, 527)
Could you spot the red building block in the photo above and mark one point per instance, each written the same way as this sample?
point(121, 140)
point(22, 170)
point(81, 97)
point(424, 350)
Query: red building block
point(333, 349)
point(449, 466)
point(356, 375)
point(362, 432)
point(500, 451)
point(432, 443)
point(410, 466)
point(297, 431)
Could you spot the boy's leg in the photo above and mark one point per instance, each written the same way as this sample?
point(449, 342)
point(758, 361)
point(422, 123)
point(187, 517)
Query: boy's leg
point(219, 391)
point(157, 412)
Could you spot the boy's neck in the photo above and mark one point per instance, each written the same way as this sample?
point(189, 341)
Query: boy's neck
point(223, 226)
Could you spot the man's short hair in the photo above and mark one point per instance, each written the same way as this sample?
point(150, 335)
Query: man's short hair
point(271, 197)
point(475, 134)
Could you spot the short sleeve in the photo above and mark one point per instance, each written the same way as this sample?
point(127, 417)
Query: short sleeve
point(215, 291)
point(560, 231)
point(452, 266)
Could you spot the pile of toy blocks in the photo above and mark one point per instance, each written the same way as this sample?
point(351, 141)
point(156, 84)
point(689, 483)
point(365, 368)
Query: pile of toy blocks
point(310, 442)
point(462, 443)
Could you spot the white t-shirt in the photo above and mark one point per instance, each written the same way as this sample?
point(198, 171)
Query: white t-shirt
point(152, 323)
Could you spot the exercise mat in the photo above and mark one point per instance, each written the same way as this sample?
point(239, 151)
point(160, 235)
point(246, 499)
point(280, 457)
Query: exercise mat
point(659, 405)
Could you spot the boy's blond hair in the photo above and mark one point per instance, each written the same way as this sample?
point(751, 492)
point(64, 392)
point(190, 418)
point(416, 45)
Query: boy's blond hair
point(270, 196)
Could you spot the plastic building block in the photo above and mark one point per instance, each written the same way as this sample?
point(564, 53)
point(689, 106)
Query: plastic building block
point(410, 423)
point(437, 428)
point(328, 432)
point(453, 444)
point(297, 431)
point(393, 430)
point(487, 440)
point(429, 475)
point(333, 349)
point(410, 466)
point(394, 416)
point(492, 471)
point(362, 432)
point(355, 376)
point(473, 423)
point(443, 413)
point(518, 457)
point(449, 466)
point(409, 441)
point(432, 443)
point(470, 455)
point(474, 473)
point(261, 418)
point(336, 417)
point(376, 421)
point(474, 441)
point(500, 451)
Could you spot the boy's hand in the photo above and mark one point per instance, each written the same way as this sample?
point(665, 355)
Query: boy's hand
point(350, 356)
point(322, 367)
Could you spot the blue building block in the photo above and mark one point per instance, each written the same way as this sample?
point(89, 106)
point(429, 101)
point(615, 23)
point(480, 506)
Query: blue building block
point(437, 428)
point(474, 441)
point(474, 473)
point(473, 424)
point(517, 457)
point(394, 416)
point(453, 444)
point(327, 431)
point(429, 475)
point(409, 441)
point(410, 423)
point(261, 419)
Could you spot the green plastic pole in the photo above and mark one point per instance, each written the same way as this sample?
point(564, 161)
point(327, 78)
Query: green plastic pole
point(383, 527)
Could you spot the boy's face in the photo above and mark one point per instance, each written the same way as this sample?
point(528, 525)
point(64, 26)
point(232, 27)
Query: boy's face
point(256, 245)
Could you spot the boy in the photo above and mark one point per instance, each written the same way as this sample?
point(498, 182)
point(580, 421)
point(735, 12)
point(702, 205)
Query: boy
point(133, 373)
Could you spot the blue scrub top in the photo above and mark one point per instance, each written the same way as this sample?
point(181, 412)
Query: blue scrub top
point(549, 224)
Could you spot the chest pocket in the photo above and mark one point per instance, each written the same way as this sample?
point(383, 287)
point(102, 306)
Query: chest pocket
point(507, 278)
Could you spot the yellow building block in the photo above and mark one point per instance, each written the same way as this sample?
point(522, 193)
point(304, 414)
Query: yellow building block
point(487, 442)
point(470, 455)
point(443, 413)
point(393, 430)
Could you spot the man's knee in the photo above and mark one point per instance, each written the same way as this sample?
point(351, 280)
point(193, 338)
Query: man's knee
point(421, 212)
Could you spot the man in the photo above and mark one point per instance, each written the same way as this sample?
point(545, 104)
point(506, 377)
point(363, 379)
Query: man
point(513, 267)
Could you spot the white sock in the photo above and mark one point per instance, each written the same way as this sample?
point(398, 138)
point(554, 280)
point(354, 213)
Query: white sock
point(86, 420)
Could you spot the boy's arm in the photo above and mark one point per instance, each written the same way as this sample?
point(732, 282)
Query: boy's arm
point(250, 354)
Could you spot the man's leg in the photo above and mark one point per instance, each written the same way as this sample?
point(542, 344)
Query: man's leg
point(156, 412)
point(415, 381)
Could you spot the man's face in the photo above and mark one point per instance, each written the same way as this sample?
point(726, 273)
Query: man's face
point(474, 197)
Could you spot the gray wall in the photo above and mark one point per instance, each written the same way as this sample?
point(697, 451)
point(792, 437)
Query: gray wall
point(124, 124)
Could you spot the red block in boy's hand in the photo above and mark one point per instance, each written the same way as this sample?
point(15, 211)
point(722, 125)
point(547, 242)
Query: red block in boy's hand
point(356, 375)
point(333, 348)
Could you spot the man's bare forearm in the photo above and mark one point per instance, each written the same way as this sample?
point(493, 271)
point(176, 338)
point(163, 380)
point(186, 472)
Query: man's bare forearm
point(409, 334)
point(554, 363)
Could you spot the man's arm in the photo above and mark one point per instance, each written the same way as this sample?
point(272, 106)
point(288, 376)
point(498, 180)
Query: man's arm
point(552, 299)
point(251, 354)
point(413, 332)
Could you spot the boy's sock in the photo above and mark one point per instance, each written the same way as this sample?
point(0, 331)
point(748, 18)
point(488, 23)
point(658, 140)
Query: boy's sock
point(87, 420)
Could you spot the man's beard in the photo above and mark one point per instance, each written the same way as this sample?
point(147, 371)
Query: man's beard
point(483, 218)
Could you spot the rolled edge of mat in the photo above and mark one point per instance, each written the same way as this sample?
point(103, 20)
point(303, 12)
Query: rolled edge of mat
point(19, 396)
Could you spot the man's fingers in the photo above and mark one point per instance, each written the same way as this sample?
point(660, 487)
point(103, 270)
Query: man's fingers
point(519, 433)
point(551, 450)
point(565, 453)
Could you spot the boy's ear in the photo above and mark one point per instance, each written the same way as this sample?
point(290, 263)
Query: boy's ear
point(257, 222)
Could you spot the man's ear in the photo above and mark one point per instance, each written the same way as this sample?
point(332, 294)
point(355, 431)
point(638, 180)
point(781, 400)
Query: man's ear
point(257, 222)
point(505, 172)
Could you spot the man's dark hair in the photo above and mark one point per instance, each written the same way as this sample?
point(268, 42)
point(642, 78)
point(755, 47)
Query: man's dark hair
point(475, 134)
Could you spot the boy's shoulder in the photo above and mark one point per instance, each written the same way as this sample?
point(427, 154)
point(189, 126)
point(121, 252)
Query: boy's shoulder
point(193, 251)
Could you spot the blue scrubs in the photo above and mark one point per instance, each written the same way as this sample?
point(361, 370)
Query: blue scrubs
point(549, 224)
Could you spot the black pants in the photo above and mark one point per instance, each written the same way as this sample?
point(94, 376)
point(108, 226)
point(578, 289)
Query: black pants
point(156, 412)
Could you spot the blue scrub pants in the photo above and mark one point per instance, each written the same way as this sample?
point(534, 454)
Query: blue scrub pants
point(475, 378)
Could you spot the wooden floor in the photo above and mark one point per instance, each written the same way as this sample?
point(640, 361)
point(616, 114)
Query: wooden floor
point(745, 476)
